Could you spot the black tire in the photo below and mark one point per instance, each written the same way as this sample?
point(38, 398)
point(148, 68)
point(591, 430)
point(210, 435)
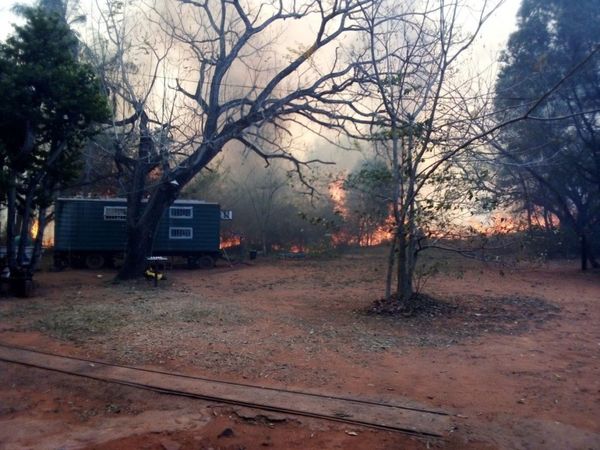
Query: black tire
point(205, 262)
point(192, 262)
point(94, 261)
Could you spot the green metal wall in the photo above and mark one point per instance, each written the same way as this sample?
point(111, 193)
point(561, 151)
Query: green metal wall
point(80, 226)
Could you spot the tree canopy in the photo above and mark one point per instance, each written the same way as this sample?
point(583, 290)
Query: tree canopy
point(50, 105)
point(551, 162)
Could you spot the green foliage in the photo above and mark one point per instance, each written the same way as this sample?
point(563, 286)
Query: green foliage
point(553, 165)
point(373, 176)
point(51, 103)
point(49, 99)
point(368, 200)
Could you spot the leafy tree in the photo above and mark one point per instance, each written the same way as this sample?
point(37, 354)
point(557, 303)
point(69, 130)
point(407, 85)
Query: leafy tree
point(368, 199)
point(50, 105)
point(551, 164)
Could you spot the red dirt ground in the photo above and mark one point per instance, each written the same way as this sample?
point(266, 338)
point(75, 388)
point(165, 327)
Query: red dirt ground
point(513, 352)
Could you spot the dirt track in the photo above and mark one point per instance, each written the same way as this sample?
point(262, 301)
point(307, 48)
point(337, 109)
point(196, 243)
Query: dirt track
point(514, 352)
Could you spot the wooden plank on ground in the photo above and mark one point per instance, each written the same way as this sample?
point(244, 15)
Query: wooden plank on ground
point(393, 417)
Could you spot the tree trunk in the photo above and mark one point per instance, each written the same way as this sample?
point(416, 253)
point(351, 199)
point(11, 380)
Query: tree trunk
point(402, 285)
point(140, 233)
point(584, 255)
point(527, 205)
point(36, 181)
point(406, 227)
point(390, 269)
point(25, 222)
point(589, 253)
point(404, 270)
point(410, 256)
point(10, 222)
point(264, 242)
point(407, 293)
point(139, 247)
point(397, 243)
point(143, 219)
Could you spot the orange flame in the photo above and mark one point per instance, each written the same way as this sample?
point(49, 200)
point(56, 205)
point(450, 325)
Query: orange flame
point(497, 225)
point(381, 235)
point(375, 237)
point(231, 241)
point(48, 240)
point(338, 196)
point(35, 227)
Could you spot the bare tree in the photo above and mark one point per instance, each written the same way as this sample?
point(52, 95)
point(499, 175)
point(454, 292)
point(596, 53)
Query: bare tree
point(263, 197)
point(210, 62)
point(427, 116)
point(410, 75)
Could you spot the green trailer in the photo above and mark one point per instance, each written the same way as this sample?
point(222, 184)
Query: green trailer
point(92, 232)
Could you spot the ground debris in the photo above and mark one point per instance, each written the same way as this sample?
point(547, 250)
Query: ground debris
point(242, 325)
point(465, 316)
point(256, 417)
point(421, 305)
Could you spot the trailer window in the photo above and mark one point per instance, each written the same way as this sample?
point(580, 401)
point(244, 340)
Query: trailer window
point(181, 233)
point(115, 213)
point(181, 212)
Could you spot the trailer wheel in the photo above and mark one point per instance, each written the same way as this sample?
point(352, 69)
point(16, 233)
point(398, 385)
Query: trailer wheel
point(192, 262)
point(205, 262)
point(94, 261)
